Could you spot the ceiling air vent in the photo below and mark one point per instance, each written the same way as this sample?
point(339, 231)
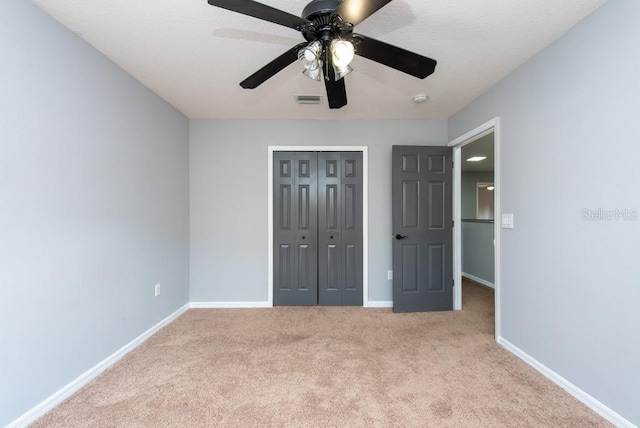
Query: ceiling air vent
point(307, 99)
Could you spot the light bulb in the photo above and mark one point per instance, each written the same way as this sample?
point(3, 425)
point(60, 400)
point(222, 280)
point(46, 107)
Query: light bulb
point(343, 52)
point(312, 51)
point(309, 55)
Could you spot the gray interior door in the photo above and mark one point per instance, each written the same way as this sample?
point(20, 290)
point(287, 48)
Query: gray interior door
point(340, 228)
point(295, 229)
point(422, 228)
point(317, 228)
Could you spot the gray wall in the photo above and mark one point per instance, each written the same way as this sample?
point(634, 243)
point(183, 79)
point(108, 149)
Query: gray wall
point(468, 190)
point(93, 208)
point(229, 196)
point(571, 141)
point(478, 255)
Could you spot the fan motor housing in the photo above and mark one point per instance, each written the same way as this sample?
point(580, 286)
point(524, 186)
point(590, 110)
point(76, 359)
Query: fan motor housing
point(319, 8)
point(326, 25)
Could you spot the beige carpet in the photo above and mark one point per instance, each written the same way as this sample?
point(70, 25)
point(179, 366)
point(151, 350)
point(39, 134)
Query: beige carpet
point(324, 367)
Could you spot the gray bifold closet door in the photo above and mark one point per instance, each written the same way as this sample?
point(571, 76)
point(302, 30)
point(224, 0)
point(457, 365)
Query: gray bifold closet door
point(317, 228)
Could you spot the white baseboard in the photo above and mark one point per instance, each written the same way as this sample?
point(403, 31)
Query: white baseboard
point(379, 304)
point(479, 280)
point(58, 397)
point(249, 305)
point(229, 305)
point(582, 396)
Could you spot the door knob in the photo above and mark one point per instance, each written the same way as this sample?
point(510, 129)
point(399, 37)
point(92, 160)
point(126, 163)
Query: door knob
point(398, 236)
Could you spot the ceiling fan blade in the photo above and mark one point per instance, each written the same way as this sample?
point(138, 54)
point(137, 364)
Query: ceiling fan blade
point(336, 90)
point(356, 11)
point(392, 56)
point(271, 69)
point(262, 11)
point(336, 93)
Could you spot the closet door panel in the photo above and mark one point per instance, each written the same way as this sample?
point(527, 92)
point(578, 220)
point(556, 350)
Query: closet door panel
point(329, 229)
point(351, 236)
point(295, 229)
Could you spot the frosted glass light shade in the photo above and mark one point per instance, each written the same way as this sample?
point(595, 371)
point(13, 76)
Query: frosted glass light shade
point(341, 71)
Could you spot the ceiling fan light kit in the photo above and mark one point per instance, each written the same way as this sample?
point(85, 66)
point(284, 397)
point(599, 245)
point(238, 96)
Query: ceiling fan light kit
point(331, 44)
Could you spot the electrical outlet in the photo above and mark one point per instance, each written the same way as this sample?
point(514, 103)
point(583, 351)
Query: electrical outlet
point(157, 290)
point(389, 274)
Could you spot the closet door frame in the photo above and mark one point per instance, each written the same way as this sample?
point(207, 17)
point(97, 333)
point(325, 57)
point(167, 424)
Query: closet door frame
point(365, 209)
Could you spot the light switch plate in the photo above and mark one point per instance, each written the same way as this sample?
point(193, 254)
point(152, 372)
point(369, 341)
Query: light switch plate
point(507, 221)
point(389, 274)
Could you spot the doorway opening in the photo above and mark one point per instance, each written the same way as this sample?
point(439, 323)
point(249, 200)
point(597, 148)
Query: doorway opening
point(476, 206)
point(273, 197)
point(484, 193)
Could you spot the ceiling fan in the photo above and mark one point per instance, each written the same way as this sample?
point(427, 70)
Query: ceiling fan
point(330, 43)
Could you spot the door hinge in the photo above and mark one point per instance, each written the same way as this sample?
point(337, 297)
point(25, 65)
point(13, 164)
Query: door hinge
point(453, 282)
point(453, 223)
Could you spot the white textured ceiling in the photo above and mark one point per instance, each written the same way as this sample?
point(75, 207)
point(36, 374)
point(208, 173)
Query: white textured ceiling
point(194, 55)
